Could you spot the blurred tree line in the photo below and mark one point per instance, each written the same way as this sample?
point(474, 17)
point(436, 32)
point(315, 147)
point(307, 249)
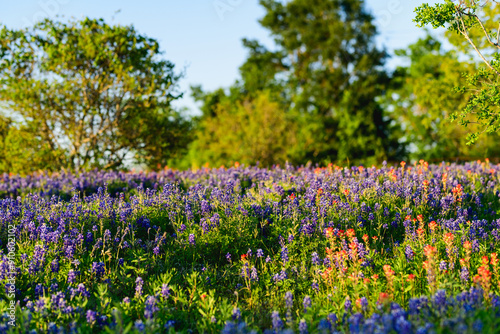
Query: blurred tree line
point(84, 94)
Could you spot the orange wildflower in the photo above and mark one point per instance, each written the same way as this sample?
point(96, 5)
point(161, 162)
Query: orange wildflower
point(448, 238)
point(383, 298)
point(388, 271)
point(326, 273)
point(429, 250)
point(425, 265)
point(433, 225)
point(494, 259)
point(351, 233)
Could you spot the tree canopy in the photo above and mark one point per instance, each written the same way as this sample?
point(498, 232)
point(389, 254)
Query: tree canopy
point(101, 94)
point(473, 23)
point(327, 73)
point(423, 98)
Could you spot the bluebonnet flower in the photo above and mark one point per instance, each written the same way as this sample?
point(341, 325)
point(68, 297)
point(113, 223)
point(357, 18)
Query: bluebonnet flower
point(253, 274)
point(192, 241)
point(280, 276)
point(204, 226)
point(40, 305)
point(107, 235)
point(324, 326)
point(355, 322)
point(260, 253)
point(30, 306)
point(182, 228)
point(464, 274)
point(52, 328)
point(139, 325)
point(138, 286)
point(150, 307)
point(156, 250)
point(39, 290)
point(205, 207)
point(165, 291)
point(236, 314)
point(332, 318)
point(303, 327)
point(268, 259)
point(306, 303)
point(284, 254)
point(276, 320)
point(364, 303)
point(409, 253)
point(228, 257)
point(91, 316)
point(215, 219)
point(81, 289)
point(443, 265)
point(403, 325)
point(439, 299)
point(289, 299)
point(169, 324)
point(98, 269)
point(477, 326)
point(54, 266)
point(315, 259)
point(347, 305)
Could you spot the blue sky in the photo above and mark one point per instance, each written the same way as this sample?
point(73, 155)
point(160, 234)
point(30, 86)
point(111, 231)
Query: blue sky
point(202, 36)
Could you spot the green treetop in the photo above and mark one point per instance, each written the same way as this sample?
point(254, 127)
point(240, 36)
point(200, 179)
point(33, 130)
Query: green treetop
point(99, 93)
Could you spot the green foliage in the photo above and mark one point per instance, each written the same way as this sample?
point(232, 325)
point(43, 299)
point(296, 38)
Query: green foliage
point(423, 99)
point(99, 93)
point(255, 129)
point(335, 72)
point(326, 74)
point(23, 152)
point(474, 21)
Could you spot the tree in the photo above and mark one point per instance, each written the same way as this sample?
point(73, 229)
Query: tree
point(423, 98)
point(475, 21)
point(22, 152)
point(254, 129)
point(328, 67)
point(100, 93)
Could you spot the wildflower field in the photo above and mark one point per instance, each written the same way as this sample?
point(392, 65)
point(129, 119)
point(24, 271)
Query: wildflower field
point(395, 249)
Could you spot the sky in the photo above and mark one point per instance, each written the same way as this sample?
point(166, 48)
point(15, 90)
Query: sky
point(203, 37)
